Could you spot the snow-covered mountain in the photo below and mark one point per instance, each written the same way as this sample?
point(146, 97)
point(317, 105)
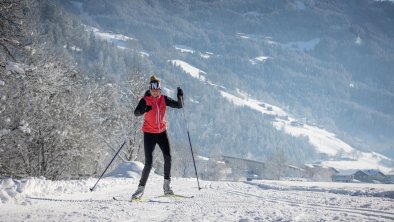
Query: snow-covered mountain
point(341, 155)
point(337, 153)
point(296, 53)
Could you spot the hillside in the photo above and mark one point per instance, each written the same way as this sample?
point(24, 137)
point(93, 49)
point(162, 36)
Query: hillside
point(309, 80)
point(324, 63)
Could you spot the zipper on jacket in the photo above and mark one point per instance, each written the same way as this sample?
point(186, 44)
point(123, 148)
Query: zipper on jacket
point(158, 115)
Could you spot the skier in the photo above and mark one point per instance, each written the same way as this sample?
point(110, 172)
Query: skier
point(153, 105)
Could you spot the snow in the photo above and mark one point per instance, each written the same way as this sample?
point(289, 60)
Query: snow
point(184, 49)
point(128, 170)
point(242, 35)
point(38, 199)
point(189, 69)
point(75, 48)
point(111, 36)
point(364, 162)
point(144, 54)
point(120, 40)
point(259, 59)
point(205, 55)
point(262, 58)
point(343, 156)
point(203, 158)
point(359, 41)
point(269, 40)
point(254, 104)
point(324, 141)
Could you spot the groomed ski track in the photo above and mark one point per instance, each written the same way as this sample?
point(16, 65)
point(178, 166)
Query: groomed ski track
point(217, 201)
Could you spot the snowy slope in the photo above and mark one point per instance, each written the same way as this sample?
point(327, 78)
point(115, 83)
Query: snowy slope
point(43, 200)
point(324, 141)
point(119, 40)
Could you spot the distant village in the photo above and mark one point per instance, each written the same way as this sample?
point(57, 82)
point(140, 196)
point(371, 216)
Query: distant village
point(239, 168)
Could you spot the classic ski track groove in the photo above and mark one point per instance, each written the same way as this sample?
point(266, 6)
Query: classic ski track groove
point(204, 206)
point(360, 211)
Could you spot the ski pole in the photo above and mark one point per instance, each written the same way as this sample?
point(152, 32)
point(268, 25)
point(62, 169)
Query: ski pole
point(190, 143)
point(91, 189)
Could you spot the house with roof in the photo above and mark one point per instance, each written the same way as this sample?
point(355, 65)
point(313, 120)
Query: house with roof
point(251, 169)
point(369, 176)
point(365, 176)
point(344, 178)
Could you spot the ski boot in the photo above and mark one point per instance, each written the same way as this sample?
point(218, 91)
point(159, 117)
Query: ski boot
point(138, 193)
point(166, 187)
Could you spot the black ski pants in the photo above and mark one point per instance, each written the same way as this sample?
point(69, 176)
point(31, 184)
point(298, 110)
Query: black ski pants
point(150, 141)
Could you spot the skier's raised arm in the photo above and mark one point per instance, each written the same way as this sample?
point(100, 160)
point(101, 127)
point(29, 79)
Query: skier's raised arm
point(175, 104)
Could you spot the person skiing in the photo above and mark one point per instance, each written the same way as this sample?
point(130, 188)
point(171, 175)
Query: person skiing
point(153, 105)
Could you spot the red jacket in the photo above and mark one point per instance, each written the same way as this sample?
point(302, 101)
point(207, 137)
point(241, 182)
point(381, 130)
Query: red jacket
point(155, 121)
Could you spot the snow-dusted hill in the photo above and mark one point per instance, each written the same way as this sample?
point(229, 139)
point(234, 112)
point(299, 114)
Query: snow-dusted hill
point(343, 156)
point(38, 199)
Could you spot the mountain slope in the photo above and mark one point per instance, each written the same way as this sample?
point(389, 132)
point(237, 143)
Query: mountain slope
point(325, 62)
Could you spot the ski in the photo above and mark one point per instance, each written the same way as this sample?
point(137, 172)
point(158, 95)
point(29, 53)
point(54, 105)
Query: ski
point(136, 200)
point(174, 196)
point(139, 200)
point(130, 200)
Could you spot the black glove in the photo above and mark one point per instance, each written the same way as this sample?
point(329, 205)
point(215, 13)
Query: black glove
point(148, 108)
point(179, 92)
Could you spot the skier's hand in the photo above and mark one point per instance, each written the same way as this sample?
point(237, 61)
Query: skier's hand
point(148, 108)
point(179, 92)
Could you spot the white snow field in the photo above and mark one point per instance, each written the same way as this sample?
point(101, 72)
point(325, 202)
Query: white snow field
point(37, 199)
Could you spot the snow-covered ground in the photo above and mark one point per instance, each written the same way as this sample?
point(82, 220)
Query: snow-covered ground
point(119, 40)
point(193, 71)
point(43, 200)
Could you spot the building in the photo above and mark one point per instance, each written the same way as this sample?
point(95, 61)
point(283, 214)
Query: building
point(369, 176)
point(364, 176)
point(344, 176)
point(249, 169)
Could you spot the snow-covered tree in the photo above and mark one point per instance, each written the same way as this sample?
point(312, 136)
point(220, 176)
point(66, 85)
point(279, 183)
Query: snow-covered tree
point(276, 163)
point(55, 120)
